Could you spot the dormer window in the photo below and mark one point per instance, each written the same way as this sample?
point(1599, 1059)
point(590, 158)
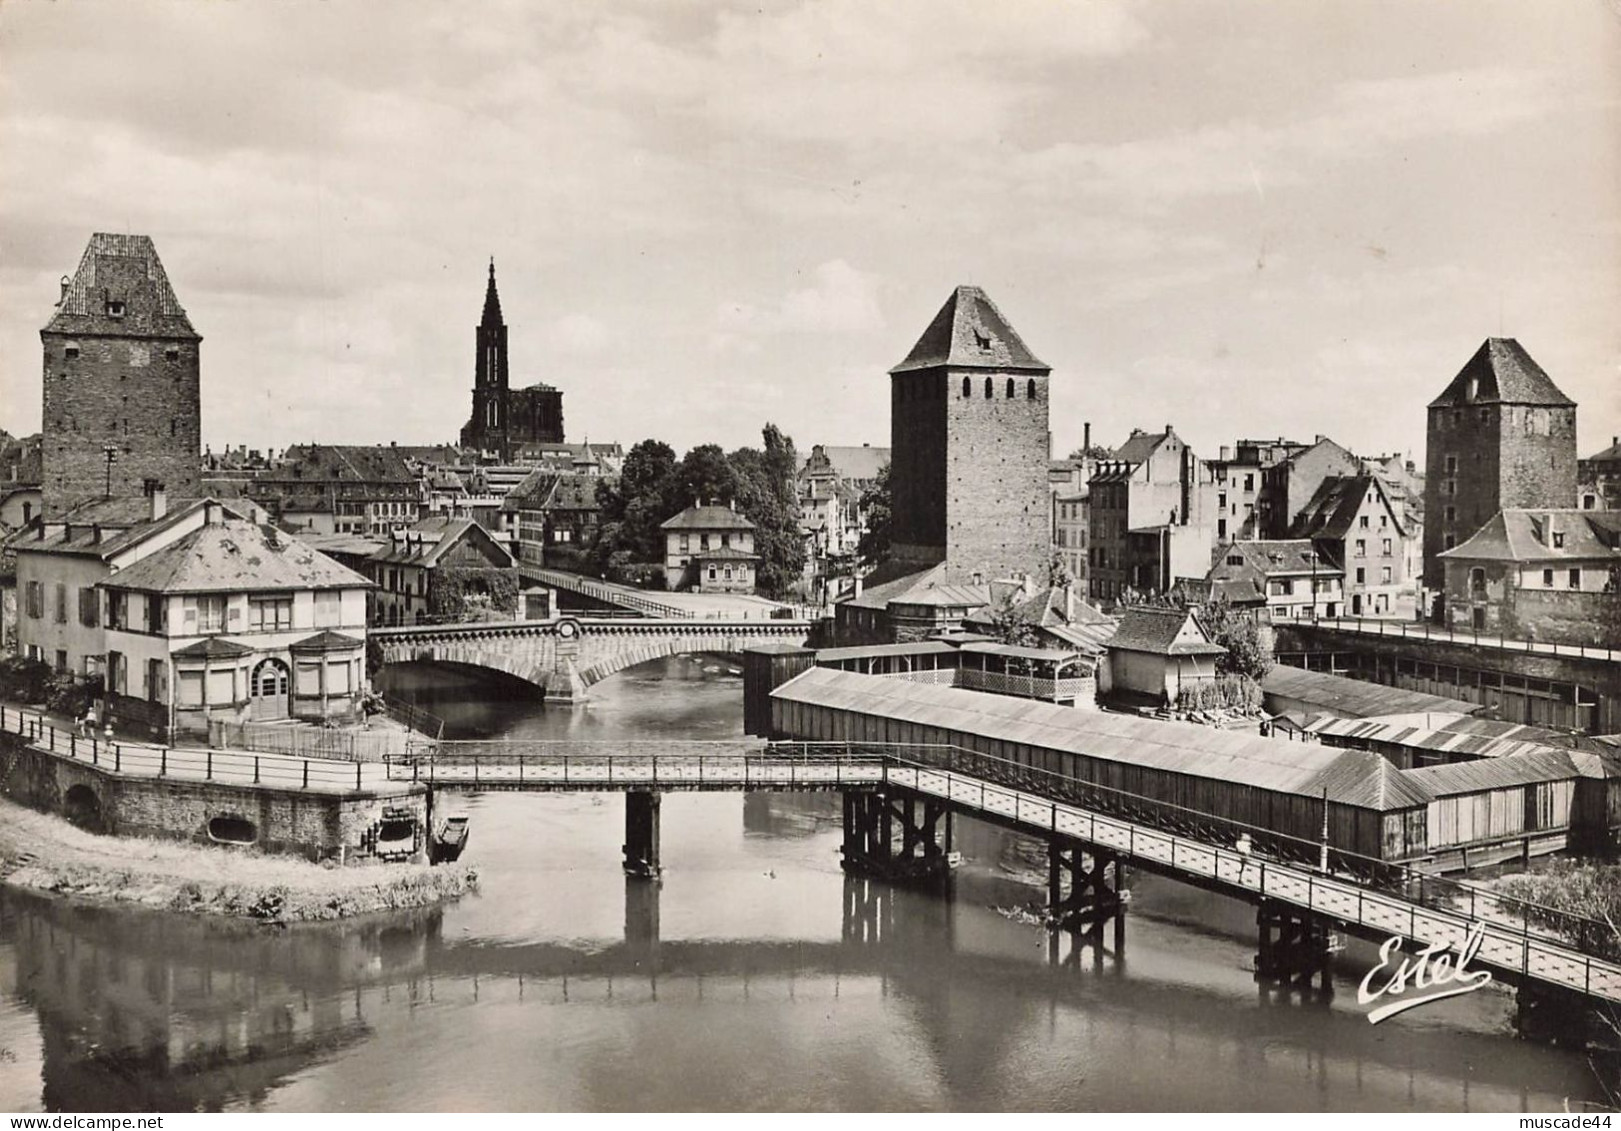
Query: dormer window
point(1559, 539)
point(115, 308)
point(172, 353)
point(71, 350)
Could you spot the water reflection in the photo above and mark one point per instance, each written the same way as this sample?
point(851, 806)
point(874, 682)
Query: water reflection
point(756, 975)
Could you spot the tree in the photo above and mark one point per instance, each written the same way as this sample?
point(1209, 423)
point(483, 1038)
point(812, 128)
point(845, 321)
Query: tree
point(705, 476)
point(1248, 644)
point(1011, 623)
point(633, 507)
point(764, 493)
point(877, 505)
point(1058, 574)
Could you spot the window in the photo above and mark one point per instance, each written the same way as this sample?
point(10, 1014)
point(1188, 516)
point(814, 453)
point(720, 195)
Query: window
point(328, 609)
point(61, 603)
point(1360, 575)
point(1384, 574)
point(72, 350)
point(725, 541)
point(685, 546)
point(1010, 388)
point(1384, 547)
point(1451, 486)
point(1030, 389)
point(728, 573)
point(1221, 500)
point(61, 661)
point(157, 613)
point(117, 673)
point(1448, 541)
point(1382, 522)
point(1452, 465)
point(155, 681)
point(967, 387)
point(1575, 581)
point(1547, 578)
point(1221, 528)
point(1363, 522)
point(267, 614)
point(89, 607)
point(989, 389)
point(1249, 482)
point(205, 614)
point(1451, 514)
point(1235, 559)
point(1558, 539)
point(711, 573)
point(1361, 547)
point(117, 609)
point(115, 308)
point(34, 599)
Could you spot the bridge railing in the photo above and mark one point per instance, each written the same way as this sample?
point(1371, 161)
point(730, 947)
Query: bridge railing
point(230, 767)
point(651, 764)
point(1504, 943)
point(1423, 630)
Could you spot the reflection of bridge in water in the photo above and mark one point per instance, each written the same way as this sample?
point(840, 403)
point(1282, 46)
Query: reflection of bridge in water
point(153, 1011)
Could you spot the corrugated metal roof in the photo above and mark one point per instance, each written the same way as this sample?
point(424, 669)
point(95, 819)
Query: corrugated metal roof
point(1354, 697)
point(1052, 655)
point(862, 651)
point(1540, 765)
point(1186, 748)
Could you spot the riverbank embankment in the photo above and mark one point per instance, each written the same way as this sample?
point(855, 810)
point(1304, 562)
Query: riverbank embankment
point(45, 853)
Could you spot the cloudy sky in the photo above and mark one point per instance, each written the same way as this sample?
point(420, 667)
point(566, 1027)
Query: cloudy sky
point(1242, 218)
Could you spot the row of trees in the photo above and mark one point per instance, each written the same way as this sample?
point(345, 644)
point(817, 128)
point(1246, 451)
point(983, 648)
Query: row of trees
point(654, 486)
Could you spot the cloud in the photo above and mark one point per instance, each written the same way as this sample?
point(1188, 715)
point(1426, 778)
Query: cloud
point(840, 300)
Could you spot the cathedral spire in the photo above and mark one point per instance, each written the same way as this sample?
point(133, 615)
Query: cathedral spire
point(492, 301)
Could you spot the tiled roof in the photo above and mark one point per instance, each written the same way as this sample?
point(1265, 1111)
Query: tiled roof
point(1274, 557)
point(969, 332)
point(724, 554)
point(1526, 536)
point(326, 641)
point(213, 648)
point(1332, 511)
point(890, 580)
point(546, 490)
point(1156, 631)
point(122, 521)
point(347, 463)
point(1501, 372)
point(110, 266)
point(1481, 774)
point(425, 543)
point(233, 555)
point(1140, 446)
point(707, 517)
point(1611, 454)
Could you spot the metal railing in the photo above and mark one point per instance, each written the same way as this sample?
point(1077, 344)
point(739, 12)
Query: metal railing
point(228, 767)
point(1423, 630)
point(605, 591)
point(1505, 945)
point(651, 765)
point(409, 715)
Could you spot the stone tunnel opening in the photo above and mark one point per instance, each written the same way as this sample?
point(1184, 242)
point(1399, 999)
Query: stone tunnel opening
point(394, 829)
point(82, 807)
point(232, 829)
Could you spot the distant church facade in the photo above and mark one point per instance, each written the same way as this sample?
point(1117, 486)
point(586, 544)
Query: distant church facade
point(505, 419)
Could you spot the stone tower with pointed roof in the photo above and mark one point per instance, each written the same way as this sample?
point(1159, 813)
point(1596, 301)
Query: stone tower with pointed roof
point(1500, 435)
point(121, 380)
point(504, 419)
point(969, 440)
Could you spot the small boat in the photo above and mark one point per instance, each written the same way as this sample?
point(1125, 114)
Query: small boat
point(449, 840)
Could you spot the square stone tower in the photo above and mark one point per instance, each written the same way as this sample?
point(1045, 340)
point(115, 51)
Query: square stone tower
point(969, 439)
point(1501, 435)
point(121, 380)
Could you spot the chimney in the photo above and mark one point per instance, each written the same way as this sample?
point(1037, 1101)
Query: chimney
point(213, 513)
point(1069, 603)
point(95, 532)
point(1226, 453)
point(63, 296)
point(1086, 436)
point(159, 498)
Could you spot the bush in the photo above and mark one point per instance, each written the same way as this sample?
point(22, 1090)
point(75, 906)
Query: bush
point(72, 695)
point(1233, 692)
point(24, 680)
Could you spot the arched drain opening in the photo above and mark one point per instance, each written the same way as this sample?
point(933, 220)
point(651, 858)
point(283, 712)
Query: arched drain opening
point(393, 830)
point(82, 807)
point(233, 830)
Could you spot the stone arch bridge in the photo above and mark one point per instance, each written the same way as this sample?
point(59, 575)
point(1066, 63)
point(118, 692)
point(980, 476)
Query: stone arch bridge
point(564, 656)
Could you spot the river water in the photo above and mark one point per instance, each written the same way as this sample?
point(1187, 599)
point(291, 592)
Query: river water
point(755, 976)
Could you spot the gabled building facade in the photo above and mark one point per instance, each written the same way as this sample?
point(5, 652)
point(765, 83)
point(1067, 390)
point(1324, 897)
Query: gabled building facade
point(1598, 479)
point(555, 516)
point(1353, 523)
point(341, 489)
point(1298, 582)
point(443, 570)
point(1149, 516)
point(1288, 484)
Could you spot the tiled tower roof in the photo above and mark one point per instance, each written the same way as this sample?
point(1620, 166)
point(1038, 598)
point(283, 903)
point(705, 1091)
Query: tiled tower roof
point(1502, 372)
point(969, 332)
point(127, 269)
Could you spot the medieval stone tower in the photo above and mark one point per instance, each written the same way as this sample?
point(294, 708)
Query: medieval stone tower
point(1501, 435)
point(121, 380)
point(968, 432)
point(505, 419)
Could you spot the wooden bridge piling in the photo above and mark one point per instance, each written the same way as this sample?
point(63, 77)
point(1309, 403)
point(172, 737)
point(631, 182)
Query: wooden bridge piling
point(641, 846)
point(1294, 948)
